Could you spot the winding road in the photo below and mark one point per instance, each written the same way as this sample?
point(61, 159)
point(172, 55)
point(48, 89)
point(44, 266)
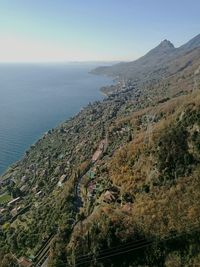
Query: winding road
point(43, 255)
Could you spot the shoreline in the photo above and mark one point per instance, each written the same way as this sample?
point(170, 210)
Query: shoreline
point(12, 165)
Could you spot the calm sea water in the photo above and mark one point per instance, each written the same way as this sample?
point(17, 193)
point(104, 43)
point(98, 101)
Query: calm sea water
point(37, 97)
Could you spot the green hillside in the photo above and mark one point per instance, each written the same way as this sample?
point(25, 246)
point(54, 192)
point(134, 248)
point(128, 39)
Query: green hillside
point(118, 184)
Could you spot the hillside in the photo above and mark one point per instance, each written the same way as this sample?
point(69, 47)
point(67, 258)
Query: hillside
point(161, 62)
point(153, 194)
point(119, 178)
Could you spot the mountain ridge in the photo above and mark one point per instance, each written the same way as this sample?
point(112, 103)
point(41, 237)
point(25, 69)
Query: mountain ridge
point(153, 61)
point(191, 44)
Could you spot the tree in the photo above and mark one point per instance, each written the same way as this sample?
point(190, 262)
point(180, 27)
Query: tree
point(9, 261)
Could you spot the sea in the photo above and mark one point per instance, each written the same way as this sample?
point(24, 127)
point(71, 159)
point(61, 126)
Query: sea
point(37, 97)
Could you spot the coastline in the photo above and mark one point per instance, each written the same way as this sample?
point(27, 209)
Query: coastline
point(59, 124)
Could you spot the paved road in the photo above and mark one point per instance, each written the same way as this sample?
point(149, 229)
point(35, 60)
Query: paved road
point(45, 264)
point(78, 202)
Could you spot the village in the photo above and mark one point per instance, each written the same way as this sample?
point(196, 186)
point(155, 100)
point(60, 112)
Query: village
point(27, 188)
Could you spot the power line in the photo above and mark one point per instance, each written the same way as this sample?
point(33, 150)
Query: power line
point(122, 252)
point(107, 253)
point(116, 247)
point(136, 247)
point(145, 244)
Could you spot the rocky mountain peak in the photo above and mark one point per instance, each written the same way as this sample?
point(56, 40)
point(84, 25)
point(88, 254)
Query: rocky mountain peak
point(167, 44)
point(164, 47)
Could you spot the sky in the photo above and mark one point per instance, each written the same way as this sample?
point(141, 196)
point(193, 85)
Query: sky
point(92, 30)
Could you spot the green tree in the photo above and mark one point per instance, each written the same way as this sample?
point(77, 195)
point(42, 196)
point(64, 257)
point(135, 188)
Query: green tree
point(9, 261)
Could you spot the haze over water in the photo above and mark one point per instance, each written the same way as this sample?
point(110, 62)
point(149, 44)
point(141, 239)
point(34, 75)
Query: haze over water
point(37, 97)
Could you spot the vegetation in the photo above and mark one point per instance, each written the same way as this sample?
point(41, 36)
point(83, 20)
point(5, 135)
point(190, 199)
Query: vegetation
point(122, 172)
point(5, 198)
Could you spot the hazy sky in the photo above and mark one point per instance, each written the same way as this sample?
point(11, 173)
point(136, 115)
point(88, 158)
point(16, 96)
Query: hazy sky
point(68, 30)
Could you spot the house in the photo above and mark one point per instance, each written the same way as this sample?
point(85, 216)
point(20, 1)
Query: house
point(34, 189)
point(39, 194)
point(24, 262)
point(109, 196)
point(24, 179)
point(53, 179)
point(15, 211)
point(127, 207)
point(97, 154)
point(5, 181)
point(62, 179)
point(2, 211)
point(91, 189)
point(24, 188)
point(13, 202)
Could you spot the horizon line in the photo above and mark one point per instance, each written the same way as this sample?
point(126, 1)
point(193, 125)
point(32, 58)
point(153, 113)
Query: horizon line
point(62, 62)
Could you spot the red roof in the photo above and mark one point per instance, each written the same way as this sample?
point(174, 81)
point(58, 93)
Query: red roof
point(24, 262)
